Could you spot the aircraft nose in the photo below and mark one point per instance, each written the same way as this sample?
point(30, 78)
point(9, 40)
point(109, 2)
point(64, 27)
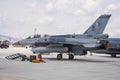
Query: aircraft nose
point(16, 43)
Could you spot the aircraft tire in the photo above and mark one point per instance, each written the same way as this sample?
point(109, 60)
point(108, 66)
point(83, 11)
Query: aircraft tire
point(59, 56)
point(113, 55)
point(71, 56)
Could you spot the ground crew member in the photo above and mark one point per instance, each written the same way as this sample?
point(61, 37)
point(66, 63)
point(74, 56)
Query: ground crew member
point(40, 57)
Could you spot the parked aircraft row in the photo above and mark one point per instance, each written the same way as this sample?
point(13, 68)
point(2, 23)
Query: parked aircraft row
point(113, 48)
point(92, 39)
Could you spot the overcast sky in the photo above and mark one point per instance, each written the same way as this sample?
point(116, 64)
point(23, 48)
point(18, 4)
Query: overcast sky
point(18, 18)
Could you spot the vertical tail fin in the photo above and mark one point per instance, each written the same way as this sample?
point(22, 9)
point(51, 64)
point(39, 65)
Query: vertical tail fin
point(98, 26)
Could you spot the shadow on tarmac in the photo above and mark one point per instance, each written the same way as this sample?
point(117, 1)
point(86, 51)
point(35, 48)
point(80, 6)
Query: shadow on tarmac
point(110, 56)
point(81, 60)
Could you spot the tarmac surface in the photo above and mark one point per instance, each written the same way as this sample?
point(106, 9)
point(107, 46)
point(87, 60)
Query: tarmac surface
point(96, 67)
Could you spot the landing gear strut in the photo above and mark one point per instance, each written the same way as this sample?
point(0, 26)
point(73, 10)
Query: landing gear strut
point(59, 56)
point(71, 56)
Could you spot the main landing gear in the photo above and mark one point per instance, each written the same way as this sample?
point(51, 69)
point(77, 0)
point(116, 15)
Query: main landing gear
point(70, 56)
point(113, 55)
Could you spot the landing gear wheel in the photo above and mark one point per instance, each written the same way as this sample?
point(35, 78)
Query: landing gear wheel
point(71, 56)
point(59, 56)
point(113, 55)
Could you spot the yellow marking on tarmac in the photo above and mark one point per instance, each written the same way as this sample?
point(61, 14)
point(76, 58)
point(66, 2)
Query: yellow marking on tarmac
point(9, 78)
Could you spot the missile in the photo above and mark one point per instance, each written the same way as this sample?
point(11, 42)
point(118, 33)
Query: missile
point(49, 49)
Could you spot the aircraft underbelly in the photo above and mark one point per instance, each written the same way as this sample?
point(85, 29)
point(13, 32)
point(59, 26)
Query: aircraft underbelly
point(49, 49)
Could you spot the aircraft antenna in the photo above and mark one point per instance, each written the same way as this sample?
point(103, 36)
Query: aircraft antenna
point(35, 31)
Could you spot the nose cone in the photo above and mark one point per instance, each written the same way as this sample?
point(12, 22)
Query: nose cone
point(17, 43)
point(24, 42)
point(21, 42)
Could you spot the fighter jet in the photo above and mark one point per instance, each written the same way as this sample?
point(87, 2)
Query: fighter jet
point(113, 47)
point(72, 44)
